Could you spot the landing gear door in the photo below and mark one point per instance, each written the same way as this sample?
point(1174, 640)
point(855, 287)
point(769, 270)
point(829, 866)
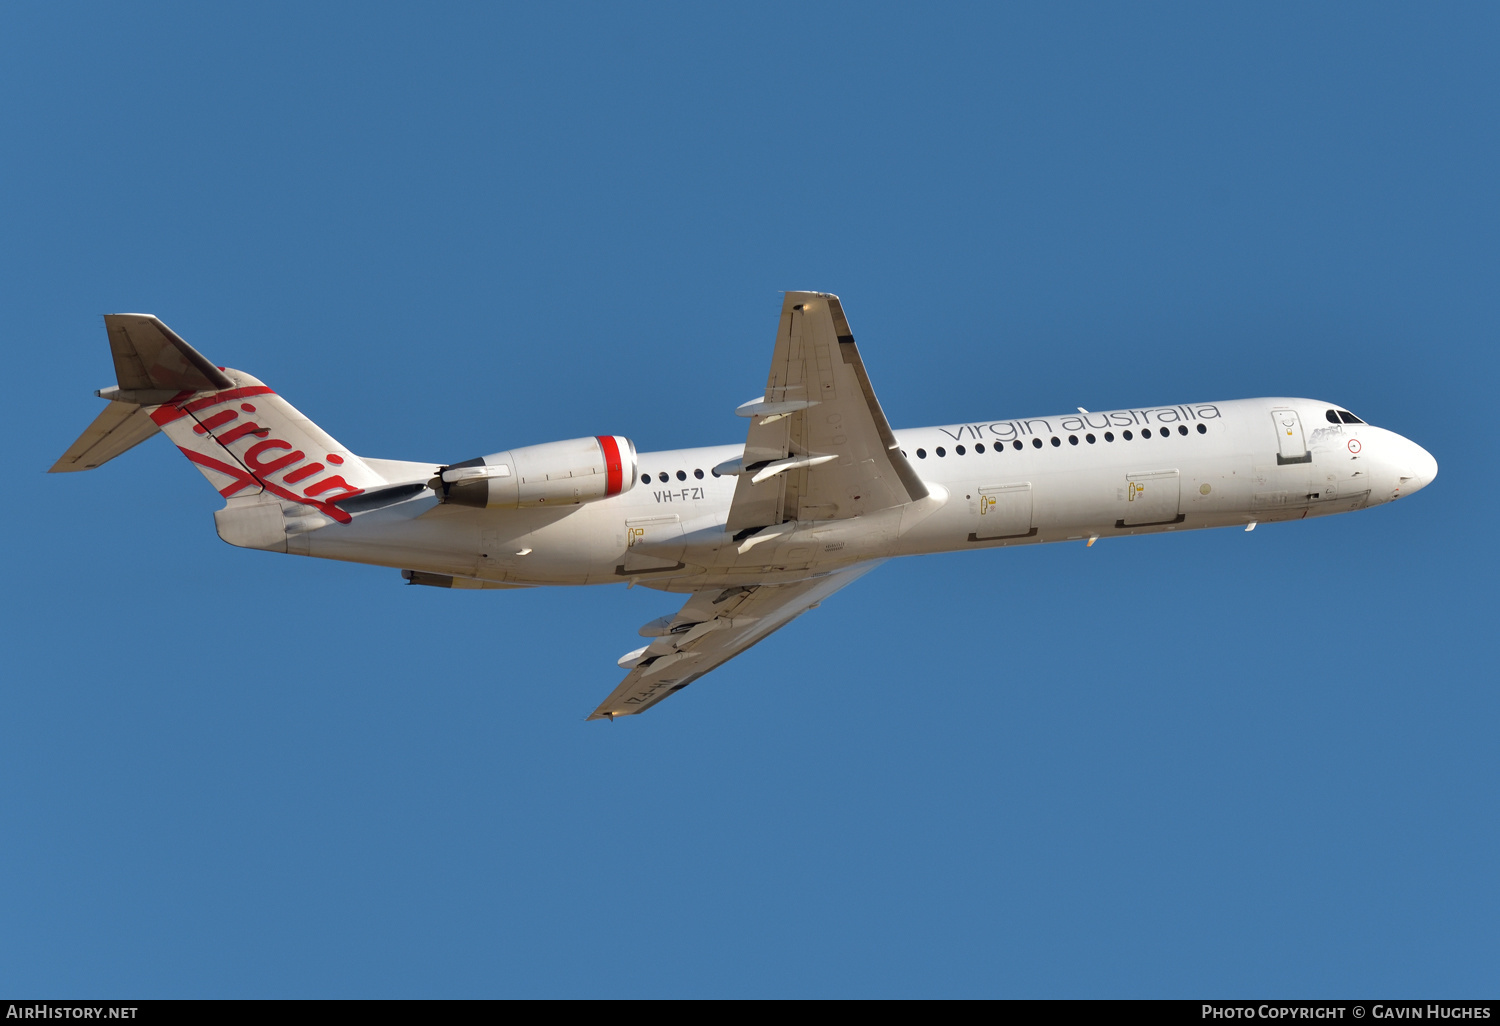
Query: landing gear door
point(1291, 445)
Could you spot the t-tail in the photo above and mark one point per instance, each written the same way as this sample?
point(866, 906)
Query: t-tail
point(279, 472)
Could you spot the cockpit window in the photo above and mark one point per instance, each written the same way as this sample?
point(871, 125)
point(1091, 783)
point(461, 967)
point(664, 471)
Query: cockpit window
point(1349, 418)
point(1333, 416)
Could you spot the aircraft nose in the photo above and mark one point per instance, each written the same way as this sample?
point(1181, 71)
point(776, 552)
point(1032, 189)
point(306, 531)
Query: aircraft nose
point(1417, 468)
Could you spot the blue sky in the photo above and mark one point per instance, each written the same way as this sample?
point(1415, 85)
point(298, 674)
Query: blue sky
point(1213, 764)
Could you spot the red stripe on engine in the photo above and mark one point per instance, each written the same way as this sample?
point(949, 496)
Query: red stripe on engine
point(614, 476)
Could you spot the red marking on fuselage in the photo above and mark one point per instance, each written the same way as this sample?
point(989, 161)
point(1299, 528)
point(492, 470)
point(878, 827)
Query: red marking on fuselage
point(255, 472)
point(334, 482)
point(335, 458)
point(217, 420)
point(323, 506)
point(303, 472)
point(179, 406)
point(614, 477)
point(169, 411)
point(227, 396)
point(254, 453)
point(235, 434)
point(241, 480)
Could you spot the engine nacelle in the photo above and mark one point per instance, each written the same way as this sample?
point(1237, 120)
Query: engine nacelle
point(554, 474)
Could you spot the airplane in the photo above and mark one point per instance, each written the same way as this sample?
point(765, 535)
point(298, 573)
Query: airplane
point(822, 491)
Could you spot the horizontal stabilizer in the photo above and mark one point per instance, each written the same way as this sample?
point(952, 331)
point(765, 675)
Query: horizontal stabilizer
point(121, 427)
point(149, 355)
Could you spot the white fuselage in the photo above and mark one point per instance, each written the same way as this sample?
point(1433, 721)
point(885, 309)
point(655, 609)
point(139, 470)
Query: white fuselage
point(1042, 479)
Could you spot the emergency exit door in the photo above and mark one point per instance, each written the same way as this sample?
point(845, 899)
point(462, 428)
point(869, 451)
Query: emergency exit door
point(1151, 497)
point(652, 544)
point(1004, 511)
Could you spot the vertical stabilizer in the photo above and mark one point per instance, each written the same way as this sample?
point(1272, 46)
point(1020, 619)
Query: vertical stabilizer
point(253, 445)
point(279, 472)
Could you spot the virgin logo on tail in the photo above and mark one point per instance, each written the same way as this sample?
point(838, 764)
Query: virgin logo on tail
point(263, 458)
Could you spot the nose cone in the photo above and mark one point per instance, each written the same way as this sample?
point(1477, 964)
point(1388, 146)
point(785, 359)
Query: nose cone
point(1416, 467)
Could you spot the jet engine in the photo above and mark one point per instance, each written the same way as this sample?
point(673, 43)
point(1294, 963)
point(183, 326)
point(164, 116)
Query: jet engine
point(554, 474)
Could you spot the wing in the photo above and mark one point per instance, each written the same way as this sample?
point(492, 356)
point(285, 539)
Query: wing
point(713, 627)
point(819, 446)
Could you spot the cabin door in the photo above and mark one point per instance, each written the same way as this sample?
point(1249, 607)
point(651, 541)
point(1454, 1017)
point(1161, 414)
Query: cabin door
point(1291, 445)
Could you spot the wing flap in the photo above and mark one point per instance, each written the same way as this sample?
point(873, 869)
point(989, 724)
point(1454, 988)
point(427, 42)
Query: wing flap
point(714, 626)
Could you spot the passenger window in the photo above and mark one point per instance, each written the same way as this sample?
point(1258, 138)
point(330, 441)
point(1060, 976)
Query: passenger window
point(645, 479)
point(958, 449)
point(682, 475)
point(1089, 439)
point(941, 451)
point(979, 447)
point(715, 473)
point(1126, 435)
point(1017, 443)
point(698, 474)
point(921, 454)
point(1056, 441)
point(1202, 430)
point(1182, 429)
point(1072, 439)
point(1036, 443)
point(662, 477)
point(1109, 436)
point(1145, 432)
point(1349, 418)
